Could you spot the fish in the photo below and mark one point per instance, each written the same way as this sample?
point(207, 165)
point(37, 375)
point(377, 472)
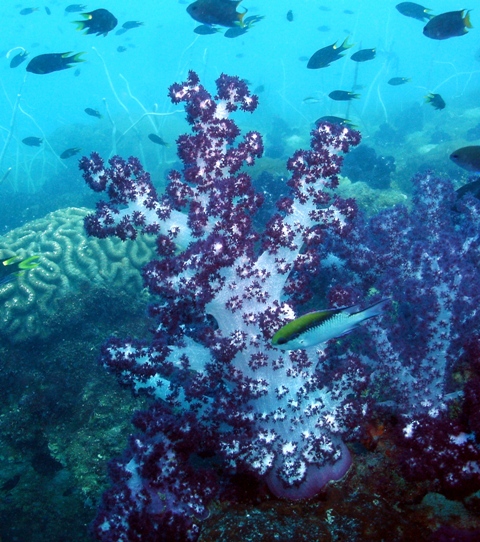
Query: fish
point(221, 12)
point(98, 22)
point(47, 10)
point(13, 267)
point(319, 327)
point(335, 120)
point(467, 158)
point(132, 24)
point(235, 31)
point(206, 29)
point(32, 141)
point(10, 483)
point(70, 152)
point(121, 48)
point(53, 62)
point(27, 11)
point(435, 100)
point(469, 188)
point(290, 15)
point(343, 95)
point(363, 55)
point(448, 25)
point(18, 59)
point(157, 139)
point(74, 8)
point(396, 81)
point(93, 112)
point(324, 56)
point(416, 11)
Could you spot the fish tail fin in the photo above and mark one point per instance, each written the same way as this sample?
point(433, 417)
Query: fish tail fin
point(80, 25)
point(241, 16)
point(345, 44)
point(466, 20)
point(29, 263)
point(76, 58)
point(376, 309)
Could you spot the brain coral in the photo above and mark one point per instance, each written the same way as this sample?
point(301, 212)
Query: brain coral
point(68, 258)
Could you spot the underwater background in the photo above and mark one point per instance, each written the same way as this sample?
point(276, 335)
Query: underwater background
point(63, 417)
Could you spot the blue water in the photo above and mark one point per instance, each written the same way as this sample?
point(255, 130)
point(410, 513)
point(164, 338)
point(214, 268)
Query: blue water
point(131, 83)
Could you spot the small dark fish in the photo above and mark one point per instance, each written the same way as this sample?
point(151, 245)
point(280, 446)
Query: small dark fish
point(416, 11)
point(324, 8)
point(467, 158)
point(10, 483)
point(448, 25)
point(52, 62)
point(132, 24)
point(323, 28)
point(235, 31)
point(343, 95)
point(363, 55)
point(221, 12)
point(469, 188)
point(206, 29)
point(121, 48)
point(70, 152)
point(27, 11)
point(77, 72)
point(395, 81)
point(259, 89)
point(323, 57)
point(157, 139)
point(98, 22)
point(348, 12)
point(47, 10)
point(435, 100)
point(334, 120)
point(18, 59)
point(32, 141)
point(289, 15)
point(93, 112)
point(74, 8)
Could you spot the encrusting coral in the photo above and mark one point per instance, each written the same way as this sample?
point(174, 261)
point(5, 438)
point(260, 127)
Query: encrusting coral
point(68, 258)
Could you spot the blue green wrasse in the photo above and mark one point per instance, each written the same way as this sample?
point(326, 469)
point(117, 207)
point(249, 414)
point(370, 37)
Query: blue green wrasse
point(18, 267)
point(319, 327)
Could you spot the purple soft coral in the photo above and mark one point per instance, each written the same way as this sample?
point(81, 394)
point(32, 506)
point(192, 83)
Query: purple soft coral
point(225, 289)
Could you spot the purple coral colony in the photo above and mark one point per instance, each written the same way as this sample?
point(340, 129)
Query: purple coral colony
point(224, 288)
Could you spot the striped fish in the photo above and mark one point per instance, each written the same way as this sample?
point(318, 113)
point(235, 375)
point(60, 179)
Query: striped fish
point(319, 327)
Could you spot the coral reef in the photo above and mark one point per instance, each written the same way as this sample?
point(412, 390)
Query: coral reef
point(68, 258)
point(219, 386)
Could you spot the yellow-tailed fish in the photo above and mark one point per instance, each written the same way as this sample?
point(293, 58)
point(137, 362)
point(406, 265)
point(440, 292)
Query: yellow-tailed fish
point(319, 327)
